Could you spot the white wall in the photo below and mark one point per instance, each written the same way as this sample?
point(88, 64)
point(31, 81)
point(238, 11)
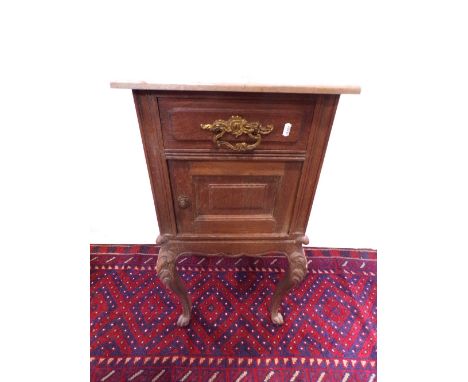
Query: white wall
point(284, 44)
point(389, 145)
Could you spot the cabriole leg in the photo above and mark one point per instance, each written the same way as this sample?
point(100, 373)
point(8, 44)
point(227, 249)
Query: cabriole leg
point(295, 274)
point(166, 269)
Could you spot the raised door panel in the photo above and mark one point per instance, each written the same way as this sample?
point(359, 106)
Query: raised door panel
point(227, 197)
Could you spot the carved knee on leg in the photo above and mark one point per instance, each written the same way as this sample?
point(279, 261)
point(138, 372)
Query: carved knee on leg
point(165, 268)
point(297, 267)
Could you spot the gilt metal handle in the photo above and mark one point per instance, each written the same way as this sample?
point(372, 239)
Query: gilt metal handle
point(237, 126)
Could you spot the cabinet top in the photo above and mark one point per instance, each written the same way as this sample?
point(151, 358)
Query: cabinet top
point(242, 87)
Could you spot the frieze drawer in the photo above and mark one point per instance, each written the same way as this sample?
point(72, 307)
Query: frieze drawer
point(248, 124)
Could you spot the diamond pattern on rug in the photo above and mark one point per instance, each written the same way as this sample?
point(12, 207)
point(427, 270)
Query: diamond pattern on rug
point(329, 331)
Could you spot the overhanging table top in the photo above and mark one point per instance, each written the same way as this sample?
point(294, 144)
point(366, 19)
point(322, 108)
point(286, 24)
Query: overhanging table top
point(241, 87)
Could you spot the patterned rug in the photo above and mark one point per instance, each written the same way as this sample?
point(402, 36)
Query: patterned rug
point(329, 332)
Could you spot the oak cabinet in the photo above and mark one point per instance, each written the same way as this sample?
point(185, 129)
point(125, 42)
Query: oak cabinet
point(233, 170)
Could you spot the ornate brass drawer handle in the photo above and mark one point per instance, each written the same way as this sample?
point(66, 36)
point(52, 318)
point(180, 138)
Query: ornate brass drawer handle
point(237, 126)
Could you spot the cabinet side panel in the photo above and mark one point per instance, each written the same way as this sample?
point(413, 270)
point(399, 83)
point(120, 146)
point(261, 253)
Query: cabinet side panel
point(146, 105)
point(317, 146)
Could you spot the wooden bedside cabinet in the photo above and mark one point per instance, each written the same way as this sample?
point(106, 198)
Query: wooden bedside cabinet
point(233, 170)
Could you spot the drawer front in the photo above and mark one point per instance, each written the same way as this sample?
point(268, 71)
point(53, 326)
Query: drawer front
point(242, 125)
point(233, 197)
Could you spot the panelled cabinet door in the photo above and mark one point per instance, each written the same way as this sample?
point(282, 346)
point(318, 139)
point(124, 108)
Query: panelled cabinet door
point(233, 197)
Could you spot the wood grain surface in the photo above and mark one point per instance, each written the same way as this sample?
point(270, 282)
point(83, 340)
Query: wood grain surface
point(212, 200)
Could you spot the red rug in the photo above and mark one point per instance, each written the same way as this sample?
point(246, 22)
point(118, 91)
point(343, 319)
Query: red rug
point(329, 332)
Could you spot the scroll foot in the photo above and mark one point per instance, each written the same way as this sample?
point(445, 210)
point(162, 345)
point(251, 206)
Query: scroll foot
point(277, 318)
point(183, 320)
